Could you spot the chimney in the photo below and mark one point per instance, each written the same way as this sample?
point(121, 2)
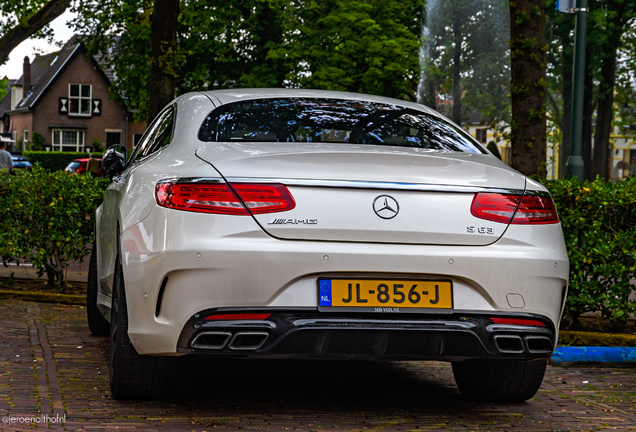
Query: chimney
point(26, 76)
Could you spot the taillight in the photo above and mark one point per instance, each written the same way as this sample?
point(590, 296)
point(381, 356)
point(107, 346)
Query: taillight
point(517, 321)
point(222, 198)
point(515, 209)
point(238, 316)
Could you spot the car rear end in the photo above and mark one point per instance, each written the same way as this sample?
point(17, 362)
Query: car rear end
point(342, 248)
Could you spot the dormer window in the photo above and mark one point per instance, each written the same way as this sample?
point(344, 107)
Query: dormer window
point(79, 97)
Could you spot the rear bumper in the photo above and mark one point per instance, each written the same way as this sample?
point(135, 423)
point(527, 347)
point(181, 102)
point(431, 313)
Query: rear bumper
point(307, 333)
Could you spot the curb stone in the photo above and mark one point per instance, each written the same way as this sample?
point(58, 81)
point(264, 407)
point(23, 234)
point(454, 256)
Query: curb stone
point(68, 299)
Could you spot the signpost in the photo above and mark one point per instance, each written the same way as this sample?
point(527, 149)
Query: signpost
point(575, 164)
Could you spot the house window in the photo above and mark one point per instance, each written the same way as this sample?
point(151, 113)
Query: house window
point(112, 137)
point(482, 135)
point(68, 140)
point(632, 162)
point(79, 99)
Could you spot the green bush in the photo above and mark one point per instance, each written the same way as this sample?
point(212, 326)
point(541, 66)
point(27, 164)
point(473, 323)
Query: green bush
point(599, 224)
point(54, 161)
point(48, 219)
point(96, 145)
point(37, 143)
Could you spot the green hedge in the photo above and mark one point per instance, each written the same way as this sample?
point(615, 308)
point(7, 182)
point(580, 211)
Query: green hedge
point(599, 224)
point(48, 218)
point(55, 161)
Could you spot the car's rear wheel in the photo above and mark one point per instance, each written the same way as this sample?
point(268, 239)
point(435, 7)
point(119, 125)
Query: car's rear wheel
point(132, 376)
point(499, 380)
point(97, 324)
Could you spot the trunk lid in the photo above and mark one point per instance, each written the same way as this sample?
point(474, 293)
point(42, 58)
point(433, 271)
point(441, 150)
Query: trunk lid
point(365, 193)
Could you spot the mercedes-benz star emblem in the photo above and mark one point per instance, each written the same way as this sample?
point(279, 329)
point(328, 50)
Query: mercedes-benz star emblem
point(386, 207)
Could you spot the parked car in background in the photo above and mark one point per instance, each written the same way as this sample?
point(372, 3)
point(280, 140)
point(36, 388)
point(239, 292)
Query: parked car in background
point(284, 223)
point(20, 162)
point(78, 166)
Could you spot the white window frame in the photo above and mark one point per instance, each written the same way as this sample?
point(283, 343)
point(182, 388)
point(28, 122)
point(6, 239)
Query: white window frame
point(59, 146)
point(25, 139)
point(79, 99)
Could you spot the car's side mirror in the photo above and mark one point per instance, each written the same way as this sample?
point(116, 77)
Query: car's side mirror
point(114, 160)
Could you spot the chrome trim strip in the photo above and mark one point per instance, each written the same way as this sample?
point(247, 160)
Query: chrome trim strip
point(354, 184)
point(192, 180)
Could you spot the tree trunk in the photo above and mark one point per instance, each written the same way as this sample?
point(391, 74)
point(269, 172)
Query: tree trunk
point(604, 117)
point(588, 111)
point(606, 94)
point(566, 126)
point(457, 64)
point(35, 22)
point(162, 82)
point(527, 88)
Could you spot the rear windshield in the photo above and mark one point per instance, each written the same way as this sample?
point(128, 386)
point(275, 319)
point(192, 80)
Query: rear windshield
point(333, 121)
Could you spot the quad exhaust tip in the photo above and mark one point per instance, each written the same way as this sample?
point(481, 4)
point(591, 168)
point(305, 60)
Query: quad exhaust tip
point(240, 341)
point(248, 340)
point(513, 344)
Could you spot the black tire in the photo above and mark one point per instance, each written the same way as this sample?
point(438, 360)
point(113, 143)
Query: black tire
point(132, 376)
point(499, 380)
point(97, 324)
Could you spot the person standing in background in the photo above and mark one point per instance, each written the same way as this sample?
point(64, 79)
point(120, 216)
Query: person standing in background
point(6, 163)
point(92, 166)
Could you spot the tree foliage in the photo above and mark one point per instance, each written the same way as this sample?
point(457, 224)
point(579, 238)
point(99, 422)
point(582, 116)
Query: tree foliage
point(466, 57)
point(361, 46)
point(609, 72)
point(20, 20)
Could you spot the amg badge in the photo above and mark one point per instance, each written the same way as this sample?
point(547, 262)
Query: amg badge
point(293, 221)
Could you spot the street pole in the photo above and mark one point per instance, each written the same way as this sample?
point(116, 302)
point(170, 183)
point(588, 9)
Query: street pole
point(575, 164)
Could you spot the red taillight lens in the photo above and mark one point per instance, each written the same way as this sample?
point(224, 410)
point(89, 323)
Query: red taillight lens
point(536, 210)
point(517, 321)
point(494, 207)
point(238, 316)
point(515, 209)
point(265, 198)
point(220, 198)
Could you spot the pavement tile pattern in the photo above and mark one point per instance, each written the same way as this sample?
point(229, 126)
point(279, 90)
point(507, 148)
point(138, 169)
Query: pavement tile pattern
point(50, 365)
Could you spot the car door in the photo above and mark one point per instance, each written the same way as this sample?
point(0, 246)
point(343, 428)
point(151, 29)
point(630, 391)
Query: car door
point(155, 137)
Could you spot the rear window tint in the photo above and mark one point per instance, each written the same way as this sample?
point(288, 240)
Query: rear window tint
point(333, 121)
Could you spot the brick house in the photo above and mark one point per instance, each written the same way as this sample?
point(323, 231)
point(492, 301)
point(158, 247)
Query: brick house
point(64, 97)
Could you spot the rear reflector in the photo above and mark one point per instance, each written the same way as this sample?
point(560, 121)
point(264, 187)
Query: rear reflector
point(244, 316)
point(223, 198)
point(515, 209)
point(516, 321)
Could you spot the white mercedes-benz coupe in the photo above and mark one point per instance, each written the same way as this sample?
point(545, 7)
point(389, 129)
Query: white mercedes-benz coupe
point(273, 223)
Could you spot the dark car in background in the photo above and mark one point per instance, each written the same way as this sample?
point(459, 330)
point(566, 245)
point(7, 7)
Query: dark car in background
point(78, 166)
point(20, 162)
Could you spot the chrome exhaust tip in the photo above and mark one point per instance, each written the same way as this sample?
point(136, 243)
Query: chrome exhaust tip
point(248, 340)
point(211, 340)
point(509, 344)
point(539, 344)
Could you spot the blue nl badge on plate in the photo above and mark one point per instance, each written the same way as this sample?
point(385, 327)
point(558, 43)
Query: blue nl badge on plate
point(324, 292)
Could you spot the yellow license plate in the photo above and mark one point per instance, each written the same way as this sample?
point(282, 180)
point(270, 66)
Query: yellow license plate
point(380, 293)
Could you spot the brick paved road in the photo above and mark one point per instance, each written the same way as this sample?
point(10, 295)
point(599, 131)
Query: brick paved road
point(49, 363)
